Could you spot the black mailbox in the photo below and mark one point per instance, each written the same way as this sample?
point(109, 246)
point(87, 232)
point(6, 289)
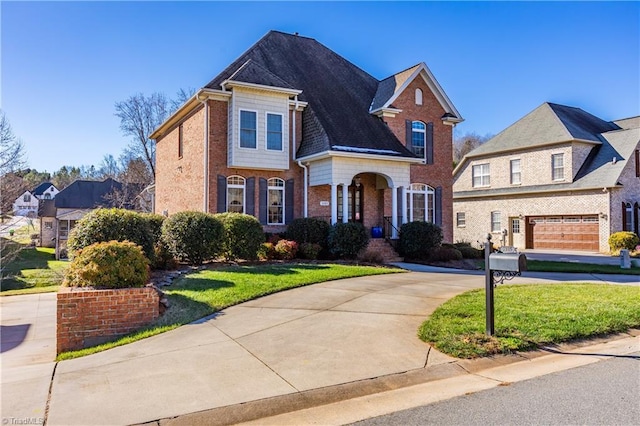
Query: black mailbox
point(510, 262)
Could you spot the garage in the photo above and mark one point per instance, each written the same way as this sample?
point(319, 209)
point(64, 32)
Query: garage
point(577, 232)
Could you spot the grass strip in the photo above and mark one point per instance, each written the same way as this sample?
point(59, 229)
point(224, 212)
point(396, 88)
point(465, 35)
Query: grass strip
point(34, 270)
point(530, 316)
point(571, 267)
point(205, 292)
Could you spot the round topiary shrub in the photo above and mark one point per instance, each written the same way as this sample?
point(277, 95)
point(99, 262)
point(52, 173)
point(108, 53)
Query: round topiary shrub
point(103, 225)
point(243, 236)
point(193, 237)
point(417, 238)
point(309, 251)
point(623, 240)
point(346, 240)
point(113, 264)
point(309, 230)
point(286, 250)
point(444, 254)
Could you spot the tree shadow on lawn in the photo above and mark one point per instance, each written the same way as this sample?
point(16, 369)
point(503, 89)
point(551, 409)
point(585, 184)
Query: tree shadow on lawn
point(271, 269)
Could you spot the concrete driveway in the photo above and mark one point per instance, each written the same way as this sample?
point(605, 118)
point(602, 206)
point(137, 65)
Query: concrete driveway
point(339, 333)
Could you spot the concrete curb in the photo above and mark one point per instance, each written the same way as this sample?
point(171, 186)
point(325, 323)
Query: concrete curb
point(352, 402)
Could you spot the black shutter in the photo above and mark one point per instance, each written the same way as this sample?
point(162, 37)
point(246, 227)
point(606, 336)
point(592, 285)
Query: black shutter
point(636, 212)
point(262, 201)
point(288, 201)
point(408, 124)
point(250, 196)
point(428, 149)
point(222, 194)
point(438, 207)
point(624, 216)
point(399, 209)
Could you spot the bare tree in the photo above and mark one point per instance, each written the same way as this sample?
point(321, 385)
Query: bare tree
point(182, 96)
point(139, 117)
point(109, 167)
point(467, 143)
point(11, 148)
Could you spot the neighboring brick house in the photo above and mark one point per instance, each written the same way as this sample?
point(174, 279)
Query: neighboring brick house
point(559, 178)
point(291, 129)
point(27, 203)
point(59, 216)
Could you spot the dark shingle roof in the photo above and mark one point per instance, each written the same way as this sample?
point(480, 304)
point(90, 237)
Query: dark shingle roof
point(41, 188)
point(339, 94)
point(388, 87)
point(47, 208)
point(581, 124)
point(86, 194)
point(252, 72)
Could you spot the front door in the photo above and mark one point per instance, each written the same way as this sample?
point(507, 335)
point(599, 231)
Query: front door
point(355, 202)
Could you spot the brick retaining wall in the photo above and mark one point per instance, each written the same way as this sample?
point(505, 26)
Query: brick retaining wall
point(88, 317)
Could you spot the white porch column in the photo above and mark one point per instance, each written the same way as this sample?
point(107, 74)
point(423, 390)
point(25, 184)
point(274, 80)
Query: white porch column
point(334, 203)
point(403, 202)
point(345, 203)
point(394, 209)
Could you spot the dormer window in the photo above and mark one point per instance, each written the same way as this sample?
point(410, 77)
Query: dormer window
point(248, 129)
point(418, 133)
point(418, 97)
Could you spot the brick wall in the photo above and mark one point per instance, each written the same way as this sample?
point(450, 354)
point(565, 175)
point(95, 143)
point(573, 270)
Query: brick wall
point(89, 317)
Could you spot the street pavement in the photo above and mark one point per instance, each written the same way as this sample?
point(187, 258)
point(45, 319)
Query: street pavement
point(603, 393)
point(291, 351)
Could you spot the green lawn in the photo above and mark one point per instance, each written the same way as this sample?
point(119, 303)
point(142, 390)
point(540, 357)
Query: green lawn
point(529, 316)
point(34, 270)
point(202, 293)
point(588, 268)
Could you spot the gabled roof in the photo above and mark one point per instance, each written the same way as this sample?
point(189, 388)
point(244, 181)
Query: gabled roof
point(87, 194)
point(339, 94)
point(548, 124)
point(40, 189)
point(391, 87)
point(251, 72)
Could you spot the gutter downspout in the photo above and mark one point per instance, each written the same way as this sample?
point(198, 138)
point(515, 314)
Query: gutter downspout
point(206, 154)
point(305, 192)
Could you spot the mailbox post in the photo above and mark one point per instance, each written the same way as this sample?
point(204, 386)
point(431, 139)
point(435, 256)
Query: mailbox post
point(503, 266)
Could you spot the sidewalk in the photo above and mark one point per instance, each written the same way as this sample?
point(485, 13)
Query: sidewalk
point(290, 351)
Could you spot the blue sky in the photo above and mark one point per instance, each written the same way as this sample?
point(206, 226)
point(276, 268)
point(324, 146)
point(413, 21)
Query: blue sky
point(65, 64)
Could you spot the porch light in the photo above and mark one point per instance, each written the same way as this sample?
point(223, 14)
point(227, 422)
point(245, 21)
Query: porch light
point(357, 180)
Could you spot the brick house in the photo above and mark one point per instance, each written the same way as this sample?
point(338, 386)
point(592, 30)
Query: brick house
point(27, 203)
point(58, 216)
point(559, 178)
point(291, 129)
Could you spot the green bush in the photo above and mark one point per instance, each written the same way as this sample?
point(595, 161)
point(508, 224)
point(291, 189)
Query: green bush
point(103, 225)
point(309, 230)
point(309, 250)
point(193, 237)
point(623, 240)
point(418, 238)
point(243, 235)
point(286, 250)
point(370, 256)
point(154, 225)
point(267, 251)
point(469, 252)
point(113, 264)
point(444, 254)
point(347, 239)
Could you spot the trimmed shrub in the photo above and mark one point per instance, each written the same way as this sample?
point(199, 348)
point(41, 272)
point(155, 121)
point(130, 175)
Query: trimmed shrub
point(623, 240)
point(163, 257)
point(243, 236)
point(444, 254)
point(154, 225)
point(309, 250)
point(286, 250)
point(418, 238)
point(267, 251)
point(192, 237)
point(469, 252)
point(103, 225)
point(309, 230)
point(113, 264)
point(347, 239)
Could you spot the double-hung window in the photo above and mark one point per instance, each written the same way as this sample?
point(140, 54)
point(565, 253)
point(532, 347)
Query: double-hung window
point(557, 166)
point(274, 132)
point(235, 194)
point(515, 172)
point(495, 221)
point(418, 135)
point(420, 203)
point(481, 175)
point(461, 220)
point(275, 198)
point(248, 129)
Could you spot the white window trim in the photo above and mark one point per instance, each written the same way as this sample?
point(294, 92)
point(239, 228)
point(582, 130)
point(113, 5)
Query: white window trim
point(256, 112)
point(464, 220)
point(479, 167)
point(279, 188)
point(244, 191)
point(424, 136)
point(553, 168)
point(494, 231)
point(418, 96)
point(519, 182)
point(428, 192)
point(266, 131)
